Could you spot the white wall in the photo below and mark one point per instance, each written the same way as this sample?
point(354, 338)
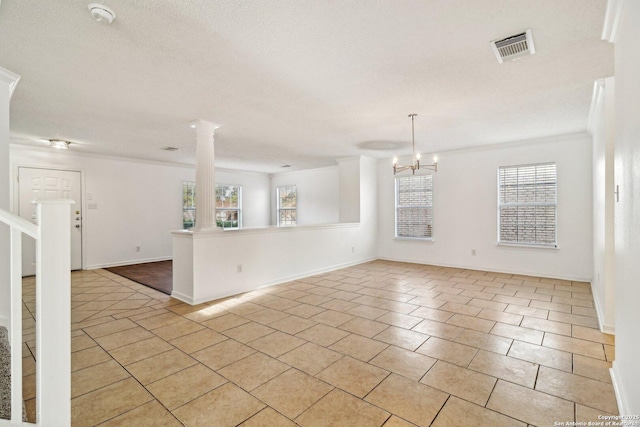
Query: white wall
point(465, 211)
point(139, 202)
point(626, 368)
point(318, 194)
point(602, 127)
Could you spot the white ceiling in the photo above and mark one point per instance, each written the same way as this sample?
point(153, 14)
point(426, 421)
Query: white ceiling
point(297, 82)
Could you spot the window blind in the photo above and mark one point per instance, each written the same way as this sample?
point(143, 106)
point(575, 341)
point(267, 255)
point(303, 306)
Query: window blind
point(414, 206)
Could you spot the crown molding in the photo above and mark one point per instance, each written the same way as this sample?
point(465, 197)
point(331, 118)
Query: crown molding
point(9, 78)
point(612, 19)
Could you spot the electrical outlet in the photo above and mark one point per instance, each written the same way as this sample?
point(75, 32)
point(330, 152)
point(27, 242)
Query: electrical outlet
point(239, 268)
point(473, 252)
point(137, 248)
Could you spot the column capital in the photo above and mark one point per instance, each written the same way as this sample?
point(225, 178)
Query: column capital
point(204, 123)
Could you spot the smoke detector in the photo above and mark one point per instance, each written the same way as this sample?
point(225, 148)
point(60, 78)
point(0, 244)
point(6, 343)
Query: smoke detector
point(513, 47)
point(102, 13)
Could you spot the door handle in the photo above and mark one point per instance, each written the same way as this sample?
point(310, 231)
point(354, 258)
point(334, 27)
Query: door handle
point(77, 225)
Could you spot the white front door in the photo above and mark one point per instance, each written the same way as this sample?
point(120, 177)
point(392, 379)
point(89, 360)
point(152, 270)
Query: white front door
point(35, 183)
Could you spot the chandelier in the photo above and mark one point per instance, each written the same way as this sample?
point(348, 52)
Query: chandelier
point(416, 156)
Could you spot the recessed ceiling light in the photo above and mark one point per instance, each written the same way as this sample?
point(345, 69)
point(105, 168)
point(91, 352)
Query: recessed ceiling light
point(59, 144)
point(102, 13)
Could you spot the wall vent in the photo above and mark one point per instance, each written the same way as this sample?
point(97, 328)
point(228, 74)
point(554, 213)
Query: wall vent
point(513, 47)
point(171, 149)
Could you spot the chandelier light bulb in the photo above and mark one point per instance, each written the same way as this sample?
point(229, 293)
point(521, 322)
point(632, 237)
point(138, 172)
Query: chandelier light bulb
point(395, 160)
point(417, 156)
point(435, 159)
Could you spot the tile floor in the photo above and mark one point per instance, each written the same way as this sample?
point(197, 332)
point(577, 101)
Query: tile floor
point(381, 343)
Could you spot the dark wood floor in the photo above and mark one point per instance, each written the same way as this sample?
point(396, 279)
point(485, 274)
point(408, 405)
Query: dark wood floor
point(156, 275)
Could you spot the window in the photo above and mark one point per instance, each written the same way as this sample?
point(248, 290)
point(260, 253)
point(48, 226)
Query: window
point(287, 205)
point(188, 204)
point(527, 204)
point(414, 206)
point(228, 205)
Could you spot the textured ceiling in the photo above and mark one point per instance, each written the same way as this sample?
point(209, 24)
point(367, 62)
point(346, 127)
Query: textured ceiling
point(298, 82)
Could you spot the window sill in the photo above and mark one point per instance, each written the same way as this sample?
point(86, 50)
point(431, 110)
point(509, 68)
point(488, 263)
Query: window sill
point(415, 239)
point(527, 246)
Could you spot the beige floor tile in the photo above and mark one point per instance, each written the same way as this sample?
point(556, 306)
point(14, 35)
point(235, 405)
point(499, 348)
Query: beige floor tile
point(103, 404)
point(340, 408)
point(591, 334)
point(94, 377)
point(359, 347)
point(432, 314)
point(585, 391)
point(403, 362)
point(484, 341)
point(469, 322)
point(394, 421)
point(592, 368)
point(177, 329)
point(227, 405)
point(427, 302)
point(292, 392)
point(574, 345)
point(499, 316)
point(240, 307)
point(460, 413)
point(584, 311)
point(150, 414)
point(482, 301)
point(461, 382)
point(276, 344)
point(222, 354)
point(305, 310)
point(459, 308)
point(505, 367)
point(268, 418)
point(448, 351)
point(109, 328)
point(278, 303)
point(586, 414)
point(338, 304)
point(267, 316)
point(401, 337)
point(253, 370)
point(610, 352)
point(198, 340)
point(547, 326)
point(79, 360)
point(541, 355)
point(517, 333)
point(322, 334)
point(184, 386)
point(292, 324)
point(528, 405)
point(574, 319)
point(159, 366)
point(408, 399)
point(248, 332)
point(527, 311)
point(400, 320)
point(140, 350)
point(314, 299)
point(367, 312)
point(206, 313)
point(159, 321)
point(437, 329)
point(224, 322)
point(331, 318)
point(310, 358)
point(551, 306)
point(353, 376)
point(122, 338)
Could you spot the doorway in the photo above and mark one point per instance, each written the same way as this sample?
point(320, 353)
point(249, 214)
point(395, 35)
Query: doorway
point(40, 183)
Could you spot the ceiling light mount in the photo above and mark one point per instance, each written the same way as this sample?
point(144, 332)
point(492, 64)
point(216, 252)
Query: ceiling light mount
point(59, 144)
point(415, 165)
point(102, 13)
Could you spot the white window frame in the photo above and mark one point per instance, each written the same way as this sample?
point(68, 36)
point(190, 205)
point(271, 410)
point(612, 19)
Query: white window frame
point(429, 224)
point(521, 241)
point(280, 209)
point(238, 209)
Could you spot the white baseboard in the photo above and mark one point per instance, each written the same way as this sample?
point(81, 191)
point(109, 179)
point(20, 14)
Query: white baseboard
point(490, 269)
point(621, 398)
point(130, 262)
point(182, 297)
point(607, 329)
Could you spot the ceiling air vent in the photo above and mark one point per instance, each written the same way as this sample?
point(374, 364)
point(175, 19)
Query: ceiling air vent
point(171, 149)
point(513, 47)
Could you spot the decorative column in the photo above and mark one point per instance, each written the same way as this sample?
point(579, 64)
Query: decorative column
point(205, 175)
